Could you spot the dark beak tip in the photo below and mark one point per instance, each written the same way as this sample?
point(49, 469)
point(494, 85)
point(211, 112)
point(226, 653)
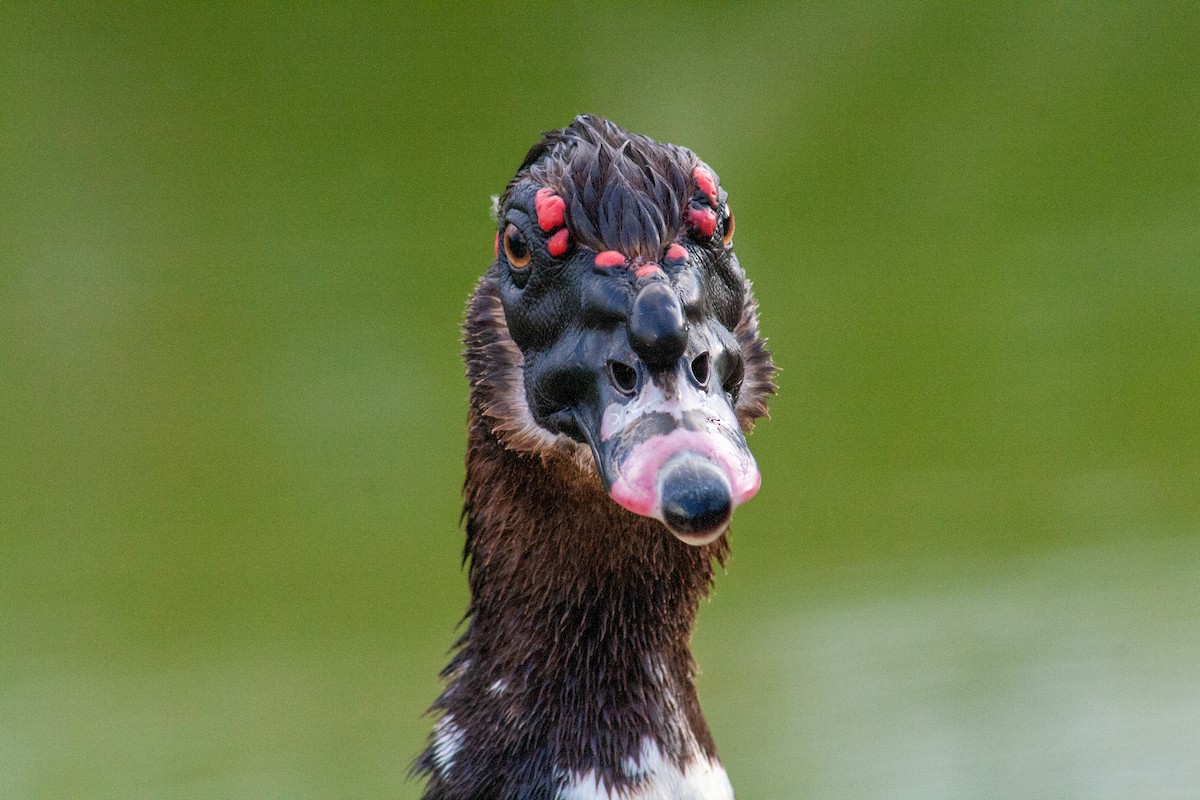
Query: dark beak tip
point(697, 501)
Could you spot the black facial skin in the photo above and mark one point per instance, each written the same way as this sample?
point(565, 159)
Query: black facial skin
point(593, 336)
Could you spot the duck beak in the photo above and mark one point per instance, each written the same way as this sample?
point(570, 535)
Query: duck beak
point(674, 452)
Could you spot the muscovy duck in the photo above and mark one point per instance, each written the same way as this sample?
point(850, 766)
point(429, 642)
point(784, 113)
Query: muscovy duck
point(615, 364)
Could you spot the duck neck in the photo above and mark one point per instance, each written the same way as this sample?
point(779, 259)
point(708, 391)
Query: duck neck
point(574, 677)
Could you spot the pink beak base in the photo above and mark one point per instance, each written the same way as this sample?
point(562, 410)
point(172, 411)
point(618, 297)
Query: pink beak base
point(637, 487)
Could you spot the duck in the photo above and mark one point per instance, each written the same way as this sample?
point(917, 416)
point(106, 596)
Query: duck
point(615, 366)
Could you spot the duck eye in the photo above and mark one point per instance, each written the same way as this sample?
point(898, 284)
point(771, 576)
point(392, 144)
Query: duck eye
point(728, 237)
point(515, 248)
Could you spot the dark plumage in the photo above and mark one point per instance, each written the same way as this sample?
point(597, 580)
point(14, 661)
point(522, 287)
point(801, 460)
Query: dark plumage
point(574, 670)
point(623, 191)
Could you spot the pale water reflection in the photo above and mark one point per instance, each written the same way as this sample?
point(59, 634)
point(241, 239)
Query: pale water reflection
point(1073, 675)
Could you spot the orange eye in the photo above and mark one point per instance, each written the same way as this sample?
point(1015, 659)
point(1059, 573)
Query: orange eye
point(728, 237)
point(515, 248)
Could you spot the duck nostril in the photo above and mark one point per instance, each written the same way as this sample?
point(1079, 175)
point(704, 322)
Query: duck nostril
point(624, 377)
point(733, 382)
point(700, 368)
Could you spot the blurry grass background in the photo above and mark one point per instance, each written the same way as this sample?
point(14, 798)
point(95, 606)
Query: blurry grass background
point(235, 243)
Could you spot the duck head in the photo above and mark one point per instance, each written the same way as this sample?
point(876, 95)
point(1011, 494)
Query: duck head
point(617, 327)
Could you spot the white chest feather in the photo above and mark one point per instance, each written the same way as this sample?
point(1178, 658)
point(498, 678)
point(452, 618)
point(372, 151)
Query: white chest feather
point(655, 778)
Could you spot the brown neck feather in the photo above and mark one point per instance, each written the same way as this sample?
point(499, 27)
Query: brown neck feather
point(577, 646)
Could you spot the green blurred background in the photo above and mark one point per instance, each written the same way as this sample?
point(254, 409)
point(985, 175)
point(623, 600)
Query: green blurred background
point(235, 243)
